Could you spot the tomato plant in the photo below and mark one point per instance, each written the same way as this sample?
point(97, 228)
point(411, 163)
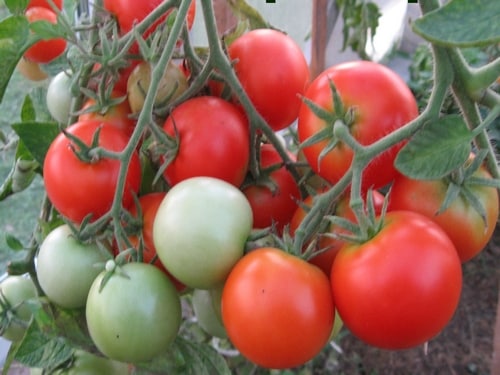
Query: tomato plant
point(59, 97)
point(369, 115)
point(263, 308)
point(400, 288)
point(135, 315)
point(75, 197)
point(44, 51)
point(274, 73)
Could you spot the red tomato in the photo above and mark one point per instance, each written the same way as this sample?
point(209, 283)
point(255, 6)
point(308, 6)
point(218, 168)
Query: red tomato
point(149, 204)
point(400, 288)
point(44, 51)
point(118, 115)
point(213, 141)
point(463, 224)
point(328, 247)
point(277, 309)
point(273, 206)
point(380, 102)
point(274, 73)
point(45, 4)
point(77, 188)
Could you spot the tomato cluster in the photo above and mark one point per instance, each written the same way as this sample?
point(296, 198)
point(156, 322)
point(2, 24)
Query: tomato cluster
point(176, 204)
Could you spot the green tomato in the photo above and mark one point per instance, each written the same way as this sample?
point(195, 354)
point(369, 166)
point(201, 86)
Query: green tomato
point(135, 315)
point(15, 290)
point(59, 97)
point(200, 230)
point(207, 309)
point(66, 267)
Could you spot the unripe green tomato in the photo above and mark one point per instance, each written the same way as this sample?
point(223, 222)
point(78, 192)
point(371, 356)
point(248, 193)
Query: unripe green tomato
point(172, 84)
point(207, 308)
point(59, 97)
point(15, 290)
point(89, 364)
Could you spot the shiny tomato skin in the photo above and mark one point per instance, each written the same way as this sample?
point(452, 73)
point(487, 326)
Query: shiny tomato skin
point(45, 4)
point(461, 222)
point(273, 72)
point(381, 101)
point(213, 141)
point(44, 51)
point(273, 207)
point(277, 308)
point(77, 188)
point(400, 288)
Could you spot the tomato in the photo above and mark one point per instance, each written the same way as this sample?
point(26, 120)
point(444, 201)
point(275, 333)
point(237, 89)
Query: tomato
point(44, 51)
point(149, 204)
point(377, 102)
point(274, 206)
point(461, 222)
point(200, 230)
point(15, 291)
point(213, 141)
point(117, 114)
point(328, 247)
point(277, 308)
point(172, 84)
point(136, 315)
point(45, 4)
point(59, 97)
point(31, 70)
point(85, 363)
point(66, 267)
point(207, 309)
point(79, 188)
point(274, 73)
point(400, 288)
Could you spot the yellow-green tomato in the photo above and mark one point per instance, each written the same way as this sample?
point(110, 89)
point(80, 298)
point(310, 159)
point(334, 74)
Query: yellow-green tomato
point(67, 267)
point(135, 315)
point(200, 230)
point(172, 84)
point(15, 290)
point(207, 309)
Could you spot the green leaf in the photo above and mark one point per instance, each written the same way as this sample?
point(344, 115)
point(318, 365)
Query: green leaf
point(28, 112)
point(14, 33)
point(461, 23)
point(13, 242)
point(37, 137)
point(439, 148)
point(16, 6)
point(244, 11)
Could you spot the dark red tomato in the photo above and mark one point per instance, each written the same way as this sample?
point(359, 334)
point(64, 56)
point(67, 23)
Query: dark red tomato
point(213, 141)
point(463, 224)
point(276, 205)
point(45, 4)
point(328, 247)
point(277, 309)
point(44, 51)
point(380, 101)
point(400, 288)
point(149, 204)
point(78, 188)
point(118, 114)
point(274, 73)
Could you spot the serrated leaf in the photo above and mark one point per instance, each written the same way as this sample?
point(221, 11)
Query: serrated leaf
point(14, 32)
point(461, 23)
point(13, 242)
point(439, 148)
point(37, 137)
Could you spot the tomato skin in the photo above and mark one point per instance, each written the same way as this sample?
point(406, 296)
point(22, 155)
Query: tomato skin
point(66, 267)
point(44, 51)
point(277, 308)
point(90, 364)
point(276, 207)
point(207, 309)
point(31, 70)
point(45, 4)
point(399, 289)
point(16, 290)
point(59, 97)
point(461, 222)
point(200, 230)
point(274, 73)
point(71, 184)
point(382, 102)
point(213, 141)
point(133, 318)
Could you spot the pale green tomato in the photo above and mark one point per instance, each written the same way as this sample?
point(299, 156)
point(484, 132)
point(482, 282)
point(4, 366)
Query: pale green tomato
point(59, 97)
point(207, 309)
point(66, 267)
point(200, 230)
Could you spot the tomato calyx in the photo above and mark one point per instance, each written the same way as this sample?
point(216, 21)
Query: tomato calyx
point(85, 153)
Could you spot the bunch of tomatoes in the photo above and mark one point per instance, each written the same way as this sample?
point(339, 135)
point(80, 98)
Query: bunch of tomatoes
point(202, 205)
